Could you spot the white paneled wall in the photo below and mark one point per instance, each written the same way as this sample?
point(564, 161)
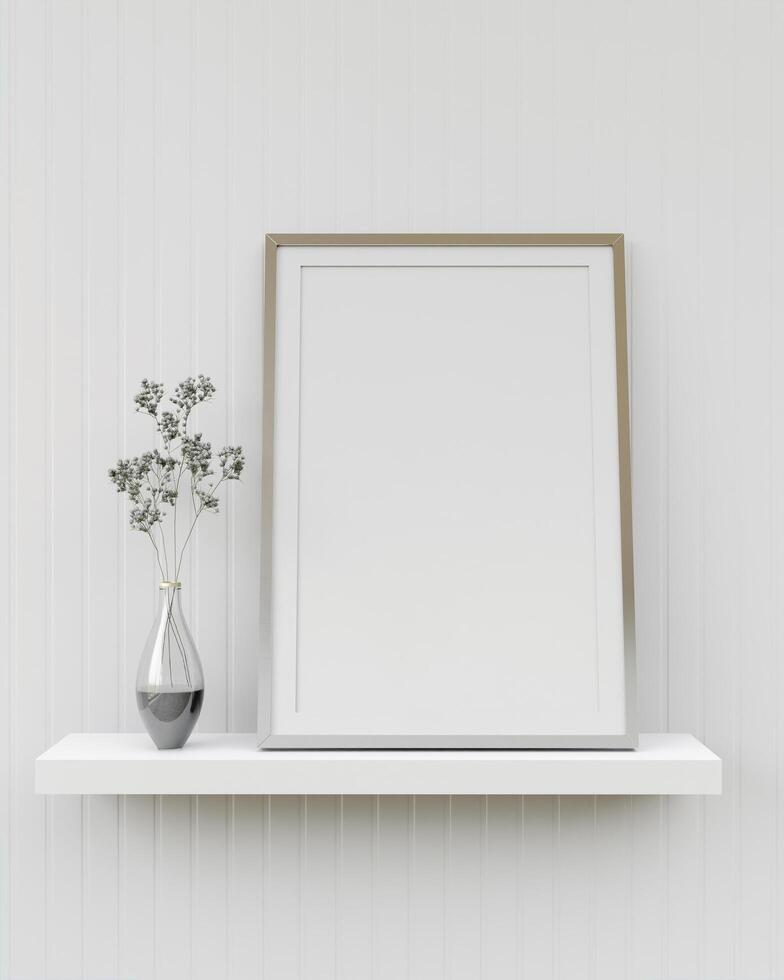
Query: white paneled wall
point(147, 145)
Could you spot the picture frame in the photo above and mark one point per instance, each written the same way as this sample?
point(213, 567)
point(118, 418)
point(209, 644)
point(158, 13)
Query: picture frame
point(447, 556)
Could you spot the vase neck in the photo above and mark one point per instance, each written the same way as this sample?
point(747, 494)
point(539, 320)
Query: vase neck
point(169, 597)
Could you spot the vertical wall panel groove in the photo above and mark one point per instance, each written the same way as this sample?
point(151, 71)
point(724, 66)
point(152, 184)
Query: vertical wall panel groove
point(83, 471)
point(6, 480)
point(777, 475)
point(48, 517)
point(230, 394)
point(8, 544)
point(27, 870)
point(121, 638)
point(775, 582)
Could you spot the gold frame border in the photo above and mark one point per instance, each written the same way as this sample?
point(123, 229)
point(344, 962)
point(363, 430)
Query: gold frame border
point(615, 241)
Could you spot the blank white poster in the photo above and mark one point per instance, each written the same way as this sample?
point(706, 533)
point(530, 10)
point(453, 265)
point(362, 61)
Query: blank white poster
point(447, 550)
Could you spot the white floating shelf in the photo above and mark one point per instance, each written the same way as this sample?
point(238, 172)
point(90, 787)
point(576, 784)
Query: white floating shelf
point(129, 764)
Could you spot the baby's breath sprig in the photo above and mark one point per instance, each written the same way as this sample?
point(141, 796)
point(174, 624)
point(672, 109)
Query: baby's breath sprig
point(152, 480)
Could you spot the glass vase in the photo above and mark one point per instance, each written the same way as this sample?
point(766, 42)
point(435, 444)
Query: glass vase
point(169, 682)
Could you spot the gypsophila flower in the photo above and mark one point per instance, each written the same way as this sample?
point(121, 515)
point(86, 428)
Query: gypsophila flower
point(149, 398)
point(153, 479)
point(145, 516)
point(231, 460)
point(208, 499)
point(169, 426)
point(197, 455)
point(129, 474)
point(190, 393)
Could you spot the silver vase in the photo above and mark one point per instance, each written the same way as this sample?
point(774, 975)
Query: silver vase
point(169, 682)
